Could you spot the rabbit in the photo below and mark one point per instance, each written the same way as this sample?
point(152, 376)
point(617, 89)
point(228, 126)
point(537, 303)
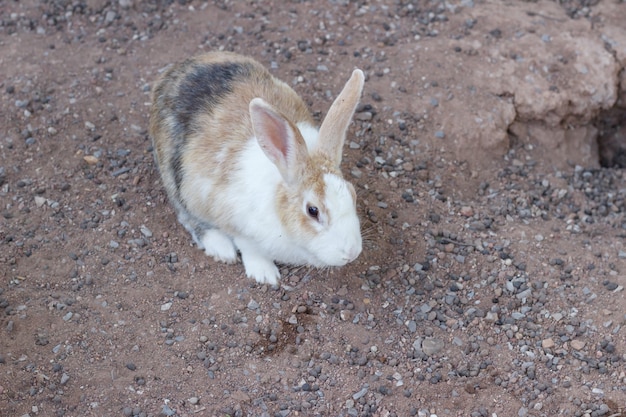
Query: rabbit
point(248, 171)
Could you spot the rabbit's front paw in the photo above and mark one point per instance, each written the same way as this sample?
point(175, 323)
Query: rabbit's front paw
point(219, 246)
point(259, 267)
point(262, 270)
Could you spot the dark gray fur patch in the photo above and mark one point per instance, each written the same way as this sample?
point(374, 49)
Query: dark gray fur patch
point(201, 90)
point(201, 227)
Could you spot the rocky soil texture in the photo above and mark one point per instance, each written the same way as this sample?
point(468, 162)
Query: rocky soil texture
point(488, 156)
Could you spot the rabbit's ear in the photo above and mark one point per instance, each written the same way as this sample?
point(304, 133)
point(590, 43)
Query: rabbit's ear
point(332, 133)
point(280, 140)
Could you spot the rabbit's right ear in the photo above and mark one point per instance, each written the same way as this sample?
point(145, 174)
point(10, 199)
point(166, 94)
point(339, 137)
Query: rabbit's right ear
point(279, 139)
point(332, 133)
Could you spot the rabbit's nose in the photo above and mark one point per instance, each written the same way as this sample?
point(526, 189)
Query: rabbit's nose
point(352, 253)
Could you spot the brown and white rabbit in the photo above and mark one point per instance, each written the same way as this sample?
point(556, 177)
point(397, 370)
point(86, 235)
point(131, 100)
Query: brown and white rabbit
point(247, 169)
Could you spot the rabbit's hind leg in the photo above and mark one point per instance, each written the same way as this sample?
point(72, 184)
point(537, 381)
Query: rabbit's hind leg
point(214, 242)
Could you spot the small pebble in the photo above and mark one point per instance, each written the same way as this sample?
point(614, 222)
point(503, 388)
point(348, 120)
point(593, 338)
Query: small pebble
point(64, 378)
point(364, 116)
point(167, 411)
point(356, 396)
point(432, 346)
point(577, 344)
point(145, 231)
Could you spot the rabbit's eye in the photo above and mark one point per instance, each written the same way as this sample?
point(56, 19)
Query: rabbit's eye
point(313, 212)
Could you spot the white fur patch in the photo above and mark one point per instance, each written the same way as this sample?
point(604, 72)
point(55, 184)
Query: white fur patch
point(338, 195)
point(310, 135)
point(257, 265)
point(339, 242)
point(195, 192)
point(219, 246)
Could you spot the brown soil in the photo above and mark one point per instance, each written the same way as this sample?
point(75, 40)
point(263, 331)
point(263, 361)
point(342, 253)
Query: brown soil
point(486, 288)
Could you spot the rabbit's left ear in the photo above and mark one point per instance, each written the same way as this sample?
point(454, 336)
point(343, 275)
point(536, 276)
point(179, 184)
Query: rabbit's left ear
point(280, 140)
point(332, 134)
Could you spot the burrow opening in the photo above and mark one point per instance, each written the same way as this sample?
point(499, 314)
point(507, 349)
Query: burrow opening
point(611, 125)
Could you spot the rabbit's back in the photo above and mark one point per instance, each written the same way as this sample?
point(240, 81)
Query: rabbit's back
point(200, 116)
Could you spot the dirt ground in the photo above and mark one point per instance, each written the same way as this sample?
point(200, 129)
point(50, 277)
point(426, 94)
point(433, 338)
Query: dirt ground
point(488, 285)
